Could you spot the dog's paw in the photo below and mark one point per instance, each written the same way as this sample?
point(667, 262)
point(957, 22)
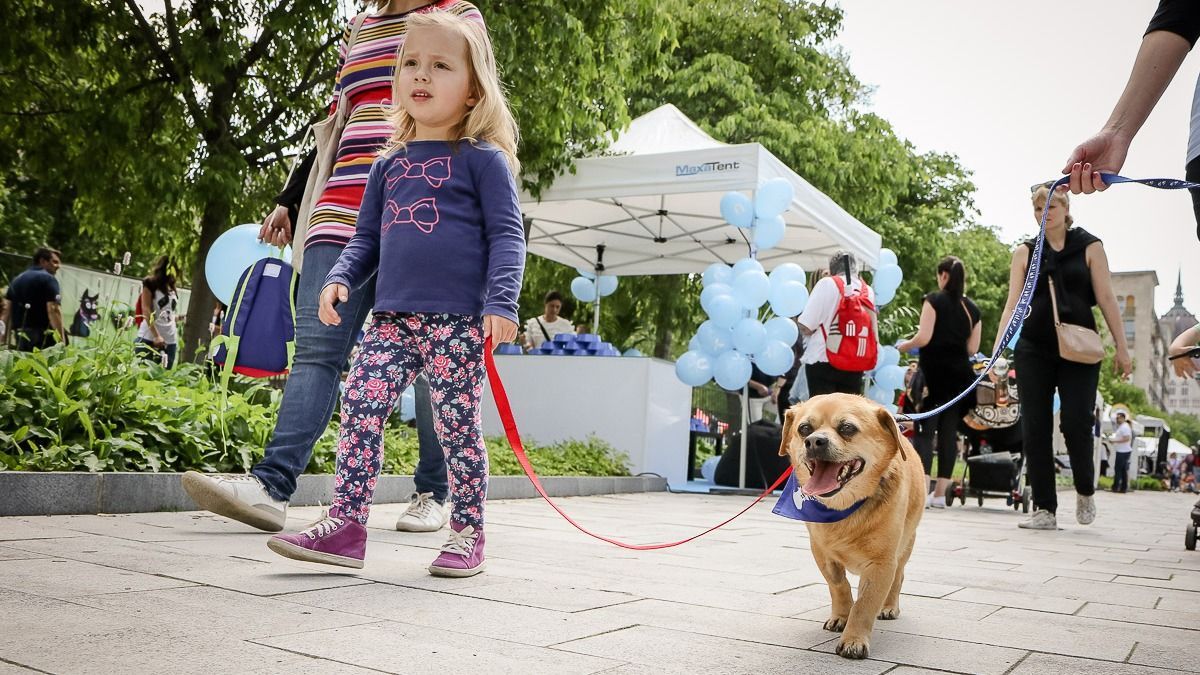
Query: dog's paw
point(853, 648)
point(889, 613)
point(835, 624)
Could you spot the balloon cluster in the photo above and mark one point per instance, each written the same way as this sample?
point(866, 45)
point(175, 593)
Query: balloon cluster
point(734, 339)
point(887, 277)
point(587, 286)
point(886, 378)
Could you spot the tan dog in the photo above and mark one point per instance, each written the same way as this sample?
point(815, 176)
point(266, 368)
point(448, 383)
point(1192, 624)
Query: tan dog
point(845, 449)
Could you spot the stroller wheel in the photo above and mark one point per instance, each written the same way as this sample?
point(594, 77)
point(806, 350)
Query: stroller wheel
point(1189, 538)
point(980, 496)
point(1026, 497)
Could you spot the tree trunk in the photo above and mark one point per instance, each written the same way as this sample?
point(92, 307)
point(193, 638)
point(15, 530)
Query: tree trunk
point(213, 222)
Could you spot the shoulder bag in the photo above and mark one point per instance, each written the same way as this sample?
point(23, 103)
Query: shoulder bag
point(1075, 343)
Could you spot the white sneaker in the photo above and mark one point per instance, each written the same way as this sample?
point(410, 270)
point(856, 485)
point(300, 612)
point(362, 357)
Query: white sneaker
point(424, 514)
point(242, 498)
point(1085, 509)
point(929, 500)
point(937, 502)
point(1040, 520)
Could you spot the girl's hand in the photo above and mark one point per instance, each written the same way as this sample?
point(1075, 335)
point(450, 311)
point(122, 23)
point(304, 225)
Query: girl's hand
point(500, 329)
point(1122, 363)
point(331, 295)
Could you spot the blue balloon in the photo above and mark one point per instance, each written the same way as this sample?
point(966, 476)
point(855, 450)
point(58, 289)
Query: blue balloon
point(788, 298)
point(775, 358)
point(708, 294)
point(890, 377)
point(694, 343)
point(880, 395)
point(749, 336)
point(732, 370)
point(718, 273)
point(887, 277)
point(746, 264)
point(725, 311)
point(236, 249)
point(694, 368)
point(888, 356)
point(768, 232)
point(887, 257)
point(709, 468)
point(713, 339)
point(788, 272)
point(586, 273)
point(606, 285)
point(884, 296)
point(773, 197)
point(783, 330)
point(408, 404)
point(633, 351)
point(737, 209)
point(583, 289)
point(751, 289)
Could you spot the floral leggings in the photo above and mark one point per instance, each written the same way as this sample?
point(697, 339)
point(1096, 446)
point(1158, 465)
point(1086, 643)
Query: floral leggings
point(449, 348)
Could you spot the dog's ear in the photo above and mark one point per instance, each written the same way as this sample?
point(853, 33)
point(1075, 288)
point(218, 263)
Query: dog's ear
point(889, 425)
point(789, 429)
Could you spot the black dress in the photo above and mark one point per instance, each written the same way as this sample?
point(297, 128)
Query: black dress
point(945, 361)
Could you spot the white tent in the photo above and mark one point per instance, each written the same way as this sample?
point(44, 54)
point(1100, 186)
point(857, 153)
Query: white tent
point(654, 206)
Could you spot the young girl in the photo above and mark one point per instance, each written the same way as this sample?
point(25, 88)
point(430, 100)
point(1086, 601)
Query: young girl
point(441, 223)
point(157, 335)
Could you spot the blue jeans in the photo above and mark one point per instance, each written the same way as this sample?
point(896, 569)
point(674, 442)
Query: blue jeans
point(312, 386)
point(1121, 472)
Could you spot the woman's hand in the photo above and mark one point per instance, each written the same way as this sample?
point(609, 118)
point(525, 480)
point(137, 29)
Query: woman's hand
point(500, 329)
point(760, 388)
point(1122, 363)
point(331, 295)
point(276, 228)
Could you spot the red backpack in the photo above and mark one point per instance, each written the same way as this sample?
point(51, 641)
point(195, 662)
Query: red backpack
point(849, 342)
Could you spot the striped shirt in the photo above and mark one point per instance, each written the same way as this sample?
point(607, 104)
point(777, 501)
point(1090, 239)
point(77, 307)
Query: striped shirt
point(365, 76)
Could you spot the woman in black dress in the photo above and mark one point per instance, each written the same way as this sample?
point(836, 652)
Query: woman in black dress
point(947, 336)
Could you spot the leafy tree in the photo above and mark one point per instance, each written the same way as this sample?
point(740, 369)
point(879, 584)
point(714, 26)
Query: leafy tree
point(159, 131)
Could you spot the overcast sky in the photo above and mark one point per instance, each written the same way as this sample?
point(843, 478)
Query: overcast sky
point(1012, 88)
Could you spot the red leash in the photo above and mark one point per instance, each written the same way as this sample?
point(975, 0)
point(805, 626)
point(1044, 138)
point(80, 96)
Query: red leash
point(514, 439)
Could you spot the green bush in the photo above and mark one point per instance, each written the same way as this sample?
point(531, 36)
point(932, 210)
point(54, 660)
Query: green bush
point(96, 406)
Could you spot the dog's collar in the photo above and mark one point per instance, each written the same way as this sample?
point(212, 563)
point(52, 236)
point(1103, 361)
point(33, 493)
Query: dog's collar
point(796, 505)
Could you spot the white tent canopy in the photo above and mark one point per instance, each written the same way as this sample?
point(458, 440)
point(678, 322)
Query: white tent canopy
point(654, 206)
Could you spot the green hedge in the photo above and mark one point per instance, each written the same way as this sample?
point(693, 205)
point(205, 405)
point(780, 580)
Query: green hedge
point(96, 406)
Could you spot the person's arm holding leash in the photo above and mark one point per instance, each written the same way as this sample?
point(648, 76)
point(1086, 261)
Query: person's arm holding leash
point(1184, 367)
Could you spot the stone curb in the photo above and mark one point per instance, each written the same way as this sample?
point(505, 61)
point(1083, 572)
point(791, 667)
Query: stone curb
point(28, 493)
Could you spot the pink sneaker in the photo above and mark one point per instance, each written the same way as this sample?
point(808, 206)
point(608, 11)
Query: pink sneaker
point(332, 540)
point(462, 555)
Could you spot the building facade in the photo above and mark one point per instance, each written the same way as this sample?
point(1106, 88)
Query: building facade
point(1183, 394)
point(1144, 334)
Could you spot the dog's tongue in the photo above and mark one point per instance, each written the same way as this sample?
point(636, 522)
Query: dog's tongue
point(824, 478)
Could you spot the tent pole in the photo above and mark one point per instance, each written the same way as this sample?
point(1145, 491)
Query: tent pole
point(596, 315)
point(745, 415)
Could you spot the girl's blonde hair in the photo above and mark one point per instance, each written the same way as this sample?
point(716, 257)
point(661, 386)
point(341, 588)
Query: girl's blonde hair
point(1043, 191)
point(490, 120)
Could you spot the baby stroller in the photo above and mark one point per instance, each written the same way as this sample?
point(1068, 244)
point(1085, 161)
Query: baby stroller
point(995, 457)
point(1189, 537)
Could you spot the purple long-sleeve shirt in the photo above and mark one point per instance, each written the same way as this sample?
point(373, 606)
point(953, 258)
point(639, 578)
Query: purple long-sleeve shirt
point(441, 223)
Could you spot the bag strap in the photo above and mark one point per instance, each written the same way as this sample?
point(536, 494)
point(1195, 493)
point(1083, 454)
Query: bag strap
point(841, 286)
point(1053, 300)
point(544, 331)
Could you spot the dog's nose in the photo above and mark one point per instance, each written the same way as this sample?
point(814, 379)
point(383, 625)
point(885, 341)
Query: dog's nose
point(817, 444)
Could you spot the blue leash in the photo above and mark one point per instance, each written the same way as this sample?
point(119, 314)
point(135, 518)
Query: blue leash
point(1031, 276)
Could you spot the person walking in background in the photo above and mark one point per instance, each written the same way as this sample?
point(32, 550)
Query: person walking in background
point(842, 290)
point(363, 85)
point(1075, 266)
point(948, 334)
point(33, 311)
point(157, 336)
point(1122, 445)
point(446, 289)
point(1172, 33)
point(543, 328)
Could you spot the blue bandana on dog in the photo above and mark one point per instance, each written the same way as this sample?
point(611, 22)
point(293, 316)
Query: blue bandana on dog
point(795, 505)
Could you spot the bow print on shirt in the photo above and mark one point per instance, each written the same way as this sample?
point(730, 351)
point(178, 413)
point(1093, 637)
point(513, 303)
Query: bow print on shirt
point(435, 171)
point(423, 213)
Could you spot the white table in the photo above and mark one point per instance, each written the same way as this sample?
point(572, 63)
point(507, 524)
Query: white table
point(636, 404)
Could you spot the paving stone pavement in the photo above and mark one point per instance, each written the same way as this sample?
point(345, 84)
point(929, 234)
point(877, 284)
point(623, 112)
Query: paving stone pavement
point(194, 593)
